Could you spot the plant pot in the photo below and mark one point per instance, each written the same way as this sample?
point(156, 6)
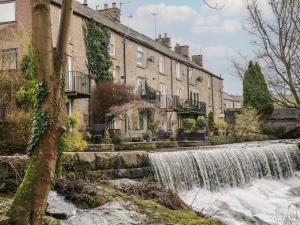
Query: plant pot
point(210, 133)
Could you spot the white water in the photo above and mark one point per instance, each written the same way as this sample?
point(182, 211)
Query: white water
point(240, 184)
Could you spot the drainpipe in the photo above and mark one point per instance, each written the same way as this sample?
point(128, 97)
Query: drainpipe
point(172, 91)
point(124, 57)
point(212, 94)
point(188, 85)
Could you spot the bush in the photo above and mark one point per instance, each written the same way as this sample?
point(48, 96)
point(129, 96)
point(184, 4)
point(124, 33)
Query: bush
point(136, 146)
point(148, 133)
point(74, 142)
point(211, 121)
point(221, 125)
point(117, 140)
point(201, 123)
point(189, 124)
point(16, 130)
point(247, 124)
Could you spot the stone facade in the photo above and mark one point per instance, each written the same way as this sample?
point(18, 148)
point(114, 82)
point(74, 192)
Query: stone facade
point(134, 60)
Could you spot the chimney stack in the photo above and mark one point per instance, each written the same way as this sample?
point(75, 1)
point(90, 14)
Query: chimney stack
point(165, 40)
point(85, 3)
point(198, 59)
point(183, 50)
point(113, 13)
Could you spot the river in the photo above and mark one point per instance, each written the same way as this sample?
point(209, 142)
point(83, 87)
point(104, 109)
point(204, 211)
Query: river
point(240, 184)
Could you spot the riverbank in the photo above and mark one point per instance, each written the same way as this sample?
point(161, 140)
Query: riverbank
point(118, 202)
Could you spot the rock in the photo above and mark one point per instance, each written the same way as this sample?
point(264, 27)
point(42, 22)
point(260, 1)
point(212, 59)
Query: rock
point(4, 220)
point(58, 207)
point(294, 191)
point(116, 213)
point(121, 182)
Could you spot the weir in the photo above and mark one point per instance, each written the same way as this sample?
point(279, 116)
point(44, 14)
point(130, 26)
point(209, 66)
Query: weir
point(225, 166)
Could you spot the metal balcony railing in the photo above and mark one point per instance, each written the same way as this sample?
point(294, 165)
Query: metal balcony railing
point(78, 82)
point(176, 103)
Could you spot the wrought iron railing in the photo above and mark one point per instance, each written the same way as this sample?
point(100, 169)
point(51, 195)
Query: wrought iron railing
point(79, 82)
point(176, 103)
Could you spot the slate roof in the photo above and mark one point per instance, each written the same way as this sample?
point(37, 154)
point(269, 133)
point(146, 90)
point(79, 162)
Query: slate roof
point(86, 12)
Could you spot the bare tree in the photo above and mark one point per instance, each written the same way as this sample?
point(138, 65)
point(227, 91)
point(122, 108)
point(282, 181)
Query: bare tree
point(277, 37)
point(30, 201)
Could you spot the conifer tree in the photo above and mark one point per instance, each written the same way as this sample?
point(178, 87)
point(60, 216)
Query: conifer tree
point(255, 91)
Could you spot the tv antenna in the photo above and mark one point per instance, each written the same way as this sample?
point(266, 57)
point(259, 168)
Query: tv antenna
point(155, 23)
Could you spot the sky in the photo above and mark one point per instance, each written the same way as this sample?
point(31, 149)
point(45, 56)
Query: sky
point(217, 34)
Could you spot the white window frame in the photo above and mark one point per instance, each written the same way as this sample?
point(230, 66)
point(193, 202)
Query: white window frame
point(5, 56)
point(140, 56)
point(112, 45)
point(178, 70)
point(141, 83)
point(161, 64)
point(190, 75)
point(13, 17)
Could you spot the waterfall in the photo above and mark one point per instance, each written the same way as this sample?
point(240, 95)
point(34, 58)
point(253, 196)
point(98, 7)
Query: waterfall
point(215, 168)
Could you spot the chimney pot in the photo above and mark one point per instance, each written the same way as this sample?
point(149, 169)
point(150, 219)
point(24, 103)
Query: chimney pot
point(165, 35)
point(114, 5)
point(85, 3)
point(105, 5)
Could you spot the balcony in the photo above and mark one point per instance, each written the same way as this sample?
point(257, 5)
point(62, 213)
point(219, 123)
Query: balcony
point(193, 107)
point(78, 85)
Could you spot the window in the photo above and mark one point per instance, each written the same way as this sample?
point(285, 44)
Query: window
point(140, 56)
point(161, 64)
point(8, 59)
point(190, 75)
point(163, 100)
point(177, 69)
point(141, 89)
point(111, 46)
point(7, 12)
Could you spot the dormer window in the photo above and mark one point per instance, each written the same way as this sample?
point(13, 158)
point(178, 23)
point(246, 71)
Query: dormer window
point(7, 12)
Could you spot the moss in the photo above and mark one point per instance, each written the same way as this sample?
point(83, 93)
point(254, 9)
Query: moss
point(50, 221)
point(158, 214)
point(166, 144)
point(136, 146)
point(91, 201)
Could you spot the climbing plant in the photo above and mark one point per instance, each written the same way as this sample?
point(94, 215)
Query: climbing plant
point(26, 94)
point(97, 38)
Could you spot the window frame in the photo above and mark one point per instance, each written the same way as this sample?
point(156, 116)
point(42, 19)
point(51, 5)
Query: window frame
point(161, 64)
point(178, 70)
point(190, 75)
point(112, 45)
point(15, 11)
point(140, 56)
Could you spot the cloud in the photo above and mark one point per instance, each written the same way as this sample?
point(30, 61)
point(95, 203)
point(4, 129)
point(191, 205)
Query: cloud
point(213, 24)
point(218, 52)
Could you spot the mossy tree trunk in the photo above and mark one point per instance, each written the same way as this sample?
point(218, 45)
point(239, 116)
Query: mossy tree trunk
point(30, 201)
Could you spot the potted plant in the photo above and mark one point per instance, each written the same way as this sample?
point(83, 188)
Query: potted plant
point(189, 124)
point(147, 135)
point(211, 124)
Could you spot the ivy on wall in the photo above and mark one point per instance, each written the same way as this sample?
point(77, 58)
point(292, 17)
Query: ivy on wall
point(97, 39)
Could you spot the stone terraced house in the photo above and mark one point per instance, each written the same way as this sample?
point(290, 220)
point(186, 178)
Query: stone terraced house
point(184, 87)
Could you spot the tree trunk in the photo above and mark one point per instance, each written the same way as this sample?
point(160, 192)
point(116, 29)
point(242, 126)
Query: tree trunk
point(30, 201)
